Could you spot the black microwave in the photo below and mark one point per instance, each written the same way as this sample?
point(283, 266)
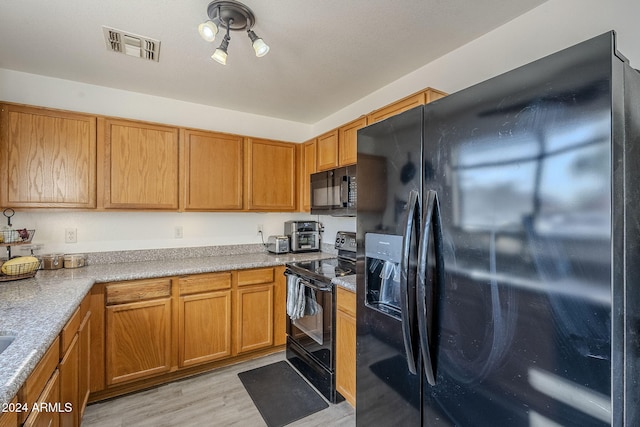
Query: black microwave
point(333, 192)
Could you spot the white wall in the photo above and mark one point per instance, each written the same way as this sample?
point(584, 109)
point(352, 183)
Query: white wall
point(111, 231)
point(551, 27)
point(68, 95)
point(555, 25)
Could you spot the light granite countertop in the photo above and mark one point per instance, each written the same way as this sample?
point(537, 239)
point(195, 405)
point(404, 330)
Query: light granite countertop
point(347, 282)
point(35, 310)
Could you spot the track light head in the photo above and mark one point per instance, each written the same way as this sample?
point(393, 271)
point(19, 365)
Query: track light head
point(259, 46)
point(220, 55)
point(208, 30)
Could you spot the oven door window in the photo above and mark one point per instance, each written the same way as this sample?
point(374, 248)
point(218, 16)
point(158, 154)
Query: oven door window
point(312, 322)
point(313, 331)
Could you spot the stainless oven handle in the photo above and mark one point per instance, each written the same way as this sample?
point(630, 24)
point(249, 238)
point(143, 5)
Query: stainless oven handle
point(309, 284)
point(316, 287)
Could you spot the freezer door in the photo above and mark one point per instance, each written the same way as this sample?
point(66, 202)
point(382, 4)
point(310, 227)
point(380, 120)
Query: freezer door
point(521, 165)
point(388, 220)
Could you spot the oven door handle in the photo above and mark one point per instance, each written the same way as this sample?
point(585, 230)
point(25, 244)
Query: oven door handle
point(316, 287)
point(307, 283)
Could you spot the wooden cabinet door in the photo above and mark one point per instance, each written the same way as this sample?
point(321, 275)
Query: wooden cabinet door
point(47, 158)
point(70, 384)
point(138, 340)
point(419, 98)
point(346, 345)
point(140, 165)
point(84, 362)
point(327, 151)
point(271, 175)
point(50, 394)
point(348, 141)
point(308, 168)
point(397, 107)
point(279, 307)
point(204, 327)
point(214, 171)
point(254, 318)
point(433, 94)
point(9, 418)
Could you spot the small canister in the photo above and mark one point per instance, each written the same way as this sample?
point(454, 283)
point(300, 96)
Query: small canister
point(74, 260)
point(52, 261)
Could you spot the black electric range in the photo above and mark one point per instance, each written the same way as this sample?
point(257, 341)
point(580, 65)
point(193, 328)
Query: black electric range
point(310, 328)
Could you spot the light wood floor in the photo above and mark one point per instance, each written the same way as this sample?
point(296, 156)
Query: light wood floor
point(216, 398)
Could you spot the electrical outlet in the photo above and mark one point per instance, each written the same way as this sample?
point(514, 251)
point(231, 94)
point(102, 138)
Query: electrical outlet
point(70, 235)
point(259, 228)
point(178, 232)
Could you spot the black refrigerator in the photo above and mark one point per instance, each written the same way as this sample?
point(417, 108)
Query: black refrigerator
point(498, 263)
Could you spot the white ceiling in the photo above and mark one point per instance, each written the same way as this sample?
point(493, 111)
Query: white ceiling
point(325, 54)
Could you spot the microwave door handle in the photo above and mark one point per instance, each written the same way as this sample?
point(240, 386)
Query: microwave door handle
point(427, 287)
point(407, 289)
point(344, 191)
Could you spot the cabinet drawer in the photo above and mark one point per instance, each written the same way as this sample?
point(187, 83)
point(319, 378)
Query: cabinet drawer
point(346, 301)
point(140, 290)
point(204, 283)
point(253, 277)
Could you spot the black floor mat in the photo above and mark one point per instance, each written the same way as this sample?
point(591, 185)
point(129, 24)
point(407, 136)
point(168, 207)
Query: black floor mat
point(281, 395)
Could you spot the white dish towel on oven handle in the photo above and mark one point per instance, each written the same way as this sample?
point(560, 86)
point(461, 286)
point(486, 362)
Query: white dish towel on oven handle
point(295, 297)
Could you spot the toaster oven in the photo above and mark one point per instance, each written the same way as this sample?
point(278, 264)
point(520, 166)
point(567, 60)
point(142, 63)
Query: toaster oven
point(304, 236)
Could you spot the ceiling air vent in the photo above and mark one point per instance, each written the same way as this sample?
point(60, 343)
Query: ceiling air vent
point(131, 44)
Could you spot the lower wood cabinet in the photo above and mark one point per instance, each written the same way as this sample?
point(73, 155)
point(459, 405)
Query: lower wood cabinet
point(137, 329)
point(84, 362)
point(346, 345)
point(148, 332)
point(70, 380)
point(41, 386)
point(50, 396)
point(254, 309)
point(204, 325)
point(9, 418)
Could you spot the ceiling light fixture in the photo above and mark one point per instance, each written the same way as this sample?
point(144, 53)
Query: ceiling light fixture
point(232, 16)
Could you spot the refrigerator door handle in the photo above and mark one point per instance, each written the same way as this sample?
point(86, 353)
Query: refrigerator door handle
point(407, 300)
point(427, 286)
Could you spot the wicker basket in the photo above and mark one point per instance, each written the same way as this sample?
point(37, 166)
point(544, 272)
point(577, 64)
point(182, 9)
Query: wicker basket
point(20, 271)
point(16, 237)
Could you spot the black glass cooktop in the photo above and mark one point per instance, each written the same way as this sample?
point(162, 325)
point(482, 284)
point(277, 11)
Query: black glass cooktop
point(323, 269)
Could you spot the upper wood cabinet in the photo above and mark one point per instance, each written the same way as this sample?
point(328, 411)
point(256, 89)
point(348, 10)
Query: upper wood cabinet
point(348, 141)
point(404, 104)
point(307, 167)
point(47, 158)
point(140, 162)
point(213, 171)
point(271, 175)
point(327, 151)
